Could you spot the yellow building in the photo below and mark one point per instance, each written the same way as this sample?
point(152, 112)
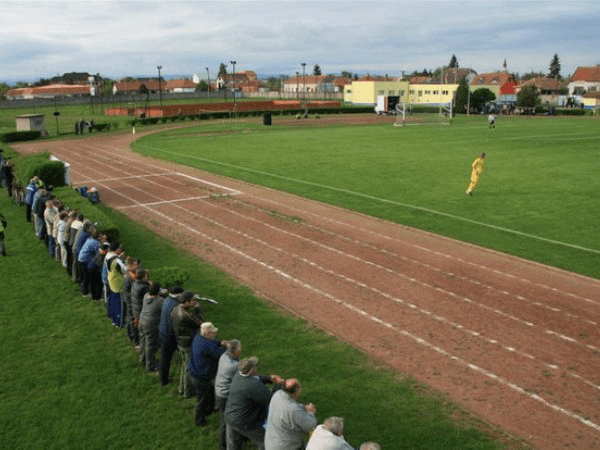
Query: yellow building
point(431, 93)
point(366, 90)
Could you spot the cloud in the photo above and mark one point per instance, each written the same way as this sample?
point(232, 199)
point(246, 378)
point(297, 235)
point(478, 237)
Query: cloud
point(116, 39)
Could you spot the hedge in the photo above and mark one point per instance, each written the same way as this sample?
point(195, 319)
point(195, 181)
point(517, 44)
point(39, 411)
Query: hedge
point(18, 136)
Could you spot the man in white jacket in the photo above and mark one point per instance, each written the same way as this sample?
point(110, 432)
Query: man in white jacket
point(329, 436)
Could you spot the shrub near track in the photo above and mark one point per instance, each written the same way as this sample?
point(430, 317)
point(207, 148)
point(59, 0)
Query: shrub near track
point(538, 199)
point(71, 380)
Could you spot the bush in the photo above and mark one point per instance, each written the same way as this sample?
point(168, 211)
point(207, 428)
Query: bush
point(18, 136)
point(170, 275)
point(571, 112)
point(50, 172)
point(102, 126)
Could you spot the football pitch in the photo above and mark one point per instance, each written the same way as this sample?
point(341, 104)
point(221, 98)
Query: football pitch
point(539, 199)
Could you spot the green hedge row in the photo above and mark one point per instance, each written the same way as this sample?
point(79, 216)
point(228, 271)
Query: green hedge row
point(18, 136)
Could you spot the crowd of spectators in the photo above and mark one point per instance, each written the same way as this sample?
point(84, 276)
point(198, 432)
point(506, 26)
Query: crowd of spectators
point(159, 322)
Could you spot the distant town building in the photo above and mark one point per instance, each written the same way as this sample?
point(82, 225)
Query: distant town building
point(584, 79)
point(51, 91)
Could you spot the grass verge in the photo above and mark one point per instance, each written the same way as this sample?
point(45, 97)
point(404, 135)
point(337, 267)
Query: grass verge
point(71, 380)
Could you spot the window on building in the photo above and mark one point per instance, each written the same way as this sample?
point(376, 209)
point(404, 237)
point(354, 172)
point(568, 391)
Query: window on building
point(401, 93)
point(391, 92)
point(444, 92)
point(420, 93)
point(381, 92)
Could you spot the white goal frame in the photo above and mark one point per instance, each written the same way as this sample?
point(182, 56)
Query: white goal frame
point(423, 114)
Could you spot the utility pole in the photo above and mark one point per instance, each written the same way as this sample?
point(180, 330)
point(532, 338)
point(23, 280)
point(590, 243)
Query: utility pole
point(304, 80)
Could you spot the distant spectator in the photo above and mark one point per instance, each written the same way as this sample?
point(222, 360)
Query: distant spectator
point(289, 420)
point(247, 405)
point(149, 320)
point(139, 288)
point(116, 280)
point(76, 225)
point(38, 207)
point(2, 228)
point(132, 266)
point(30, 191)
point(7, 174)
point(204, 361)
point(50, 213)
point(61, 236)
point(329, 436)
point(168, 341)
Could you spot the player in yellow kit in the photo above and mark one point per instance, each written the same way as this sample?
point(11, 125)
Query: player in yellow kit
point(478, 168)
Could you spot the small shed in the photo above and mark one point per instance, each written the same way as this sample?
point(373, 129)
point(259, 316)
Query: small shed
point(28, 122)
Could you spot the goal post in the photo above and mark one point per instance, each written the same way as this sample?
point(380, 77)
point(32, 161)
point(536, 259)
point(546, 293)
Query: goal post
point(423, 114)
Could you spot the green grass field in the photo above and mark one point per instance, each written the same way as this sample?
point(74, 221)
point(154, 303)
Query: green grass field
point(70, 380)
point(539, 198)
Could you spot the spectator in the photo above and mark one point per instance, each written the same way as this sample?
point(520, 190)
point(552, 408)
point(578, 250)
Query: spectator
point(329, 436)
point(61, 208)
point(3, 224)
point(95, 268)
point(247, 405)
point(76, 226)
point(204, 361)
point(139, 288)
point(186, 319)
point(50, 214)
point(288, 420)
point(85, 257)
point(168, 341)
point(149, 320)
point(72, 217)
point(7, 174)
point(30, 191)
point(61, 236)
point(370, 446)
point(228, 365)
point(38, 207)
point(132, 266)
point(116, 279)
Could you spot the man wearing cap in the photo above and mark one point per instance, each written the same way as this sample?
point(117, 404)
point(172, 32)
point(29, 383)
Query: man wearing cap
point(186, 319)
point(247, 405)
point(289, 420)
point(168, 341)
point(204, 361)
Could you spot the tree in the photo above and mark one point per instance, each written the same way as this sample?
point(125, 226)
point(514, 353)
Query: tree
point(528, 97)
point(462, 96)
point(479, 97)
point(143, 89)
point(316, 70)
point(222, 70)
point(453, 62)
point(555, 67)
point(3, 88)
point(346, 74)
point(274, 84)
point(202, 86)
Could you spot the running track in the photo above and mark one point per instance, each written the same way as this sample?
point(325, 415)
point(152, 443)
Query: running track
point(515, 342)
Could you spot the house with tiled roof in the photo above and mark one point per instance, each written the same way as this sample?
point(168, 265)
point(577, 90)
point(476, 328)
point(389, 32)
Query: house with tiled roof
point(502, 84)
point(50, 91)
point(591, 100)
point(178, 86)
point(301, 84)
point(132, 87)
point(584, 79)
point(453, 75)
point(548, 88)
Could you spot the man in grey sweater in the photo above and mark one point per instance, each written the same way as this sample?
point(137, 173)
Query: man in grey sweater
point(247, 405)
point(289, 420)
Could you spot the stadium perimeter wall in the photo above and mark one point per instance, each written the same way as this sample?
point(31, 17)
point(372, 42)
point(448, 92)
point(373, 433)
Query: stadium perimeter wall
point(186, 109)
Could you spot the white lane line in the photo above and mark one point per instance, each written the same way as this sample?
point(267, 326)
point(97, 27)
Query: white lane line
point(374, 319)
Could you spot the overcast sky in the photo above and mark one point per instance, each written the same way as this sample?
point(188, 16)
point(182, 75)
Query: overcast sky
point(129, 38)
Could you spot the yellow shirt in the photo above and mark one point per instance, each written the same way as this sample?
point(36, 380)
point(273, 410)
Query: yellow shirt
point(478, 167)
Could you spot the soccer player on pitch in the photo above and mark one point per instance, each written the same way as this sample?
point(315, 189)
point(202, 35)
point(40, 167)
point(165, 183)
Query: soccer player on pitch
point(478, 168)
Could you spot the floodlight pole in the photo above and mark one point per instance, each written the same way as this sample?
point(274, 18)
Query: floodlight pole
point(208, 77)
point(233, 64)
point(159, 86)
point(297, 82)
point(304, 80)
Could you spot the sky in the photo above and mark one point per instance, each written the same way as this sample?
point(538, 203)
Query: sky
point(115, 39)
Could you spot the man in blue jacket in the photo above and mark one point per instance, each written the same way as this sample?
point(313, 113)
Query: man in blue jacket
point(204, 362)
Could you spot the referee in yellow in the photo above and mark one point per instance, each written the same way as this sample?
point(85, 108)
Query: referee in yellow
point(478, 168)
